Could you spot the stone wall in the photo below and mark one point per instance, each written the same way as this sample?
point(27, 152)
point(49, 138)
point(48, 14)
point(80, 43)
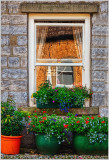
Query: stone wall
point(14, 54)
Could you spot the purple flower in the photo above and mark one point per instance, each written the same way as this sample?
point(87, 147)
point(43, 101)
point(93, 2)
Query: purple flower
point(53, 101)
point(76, 115)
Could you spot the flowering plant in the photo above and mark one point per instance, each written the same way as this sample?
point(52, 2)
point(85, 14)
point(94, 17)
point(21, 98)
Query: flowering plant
point(64, 97)
point(12, 120)
point(94, 127)
point(51, 125)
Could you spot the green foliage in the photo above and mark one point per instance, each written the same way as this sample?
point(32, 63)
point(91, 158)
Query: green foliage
point(50, 125)
point(95, 128)
point(66, 98)
point(12, 121)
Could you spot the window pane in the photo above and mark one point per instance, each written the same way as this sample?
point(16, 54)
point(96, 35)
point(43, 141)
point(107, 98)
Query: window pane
point(58, 44)
point(59, 76)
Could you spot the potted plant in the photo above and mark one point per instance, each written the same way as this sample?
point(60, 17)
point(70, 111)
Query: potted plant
point(90, 134)
point(49, 132)
point(61, 97)
point(12, 123)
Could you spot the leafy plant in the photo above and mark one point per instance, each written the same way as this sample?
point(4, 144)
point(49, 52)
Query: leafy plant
point(51, 125)
point(95, 128)
point(62, 96)
point(12, 120)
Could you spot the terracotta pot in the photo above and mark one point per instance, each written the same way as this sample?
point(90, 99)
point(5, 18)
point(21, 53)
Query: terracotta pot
point(10, 144)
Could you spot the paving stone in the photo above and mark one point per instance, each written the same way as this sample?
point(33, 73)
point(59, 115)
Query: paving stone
point(4, 61)
point(6, 50)
point(13, 62)
point(14, 73)
point(99, 52)
point(20, 51)
point(5, 40)
point(22, 40)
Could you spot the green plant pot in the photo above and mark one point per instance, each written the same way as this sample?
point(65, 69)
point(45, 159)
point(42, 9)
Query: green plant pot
point(82, 145)
point(49, 105)
point(48, 146)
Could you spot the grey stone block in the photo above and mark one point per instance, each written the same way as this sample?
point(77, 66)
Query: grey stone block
point(18, 30)
point(19, 97)
point(4, 96)
point(14, 8)
point(99, 75)
point(5, 40)
point(99, 99)
point(104, 7)
point(100, 30)
point(13, 62)
point(100, 19)
point(98, 87)
point(13, 85)
point(20, 50)
point(99, 64)
point(5, 19)
point(3, 8)
point(4, 61)
point(99, 52)
point(22, 40)
point(103, 111)
point(5, 50)
point(24, 62)
point(5, 29)
point(14, 73)
point(99, 41)
point(18, 19)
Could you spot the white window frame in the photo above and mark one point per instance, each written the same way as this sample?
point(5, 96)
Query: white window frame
point(32, 47)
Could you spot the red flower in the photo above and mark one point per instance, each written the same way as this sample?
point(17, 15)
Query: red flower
point(72, 119)
point(87, 117)
point(87, 122)
point(36, 116)
point(92, 117)
point(44, 111)
point(33, 125)
point(41, 121)
point(70, 124)
point(28, 123)
point(34, 111)
point(77, 121)
point(66, 126)
point(98, 115)
point(103, 122)
point(28, 116)
point(44, 118)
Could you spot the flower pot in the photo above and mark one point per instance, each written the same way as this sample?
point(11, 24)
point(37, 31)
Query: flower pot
point(46, 145)
point(82, 145)
point(10, 144)
point(49, 105)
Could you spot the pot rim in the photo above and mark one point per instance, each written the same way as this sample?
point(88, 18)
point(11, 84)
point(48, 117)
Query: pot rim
point(11, 137)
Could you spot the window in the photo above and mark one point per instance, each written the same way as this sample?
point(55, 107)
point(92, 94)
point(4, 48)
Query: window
point(59, 48)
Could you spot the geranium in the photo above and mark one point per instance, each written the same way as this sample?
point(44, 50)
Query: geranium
point(87, 118)
point(33, 125)
point(103, 122)
point(66, 126)
point(44, 118)
point(92, 117)
point(36, 116)
point(28, 123)
point(28, 116)
point(34, 111)
point(77, 121)
point(41, 121)
point(44, 111)
point(87, 122)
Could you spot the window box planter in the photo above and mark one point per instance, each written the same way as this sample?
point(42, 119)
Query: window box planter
point(49, 105)
point(47, 145)
point(10, 144)
point(81, 145)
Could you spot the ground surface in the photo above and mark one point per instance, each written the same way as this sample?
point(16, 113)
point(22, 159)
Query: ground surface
point(58, 156)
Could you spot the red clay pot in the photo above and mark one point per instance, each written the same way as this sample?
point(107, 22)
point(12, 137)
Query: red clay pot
point(10, 144)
